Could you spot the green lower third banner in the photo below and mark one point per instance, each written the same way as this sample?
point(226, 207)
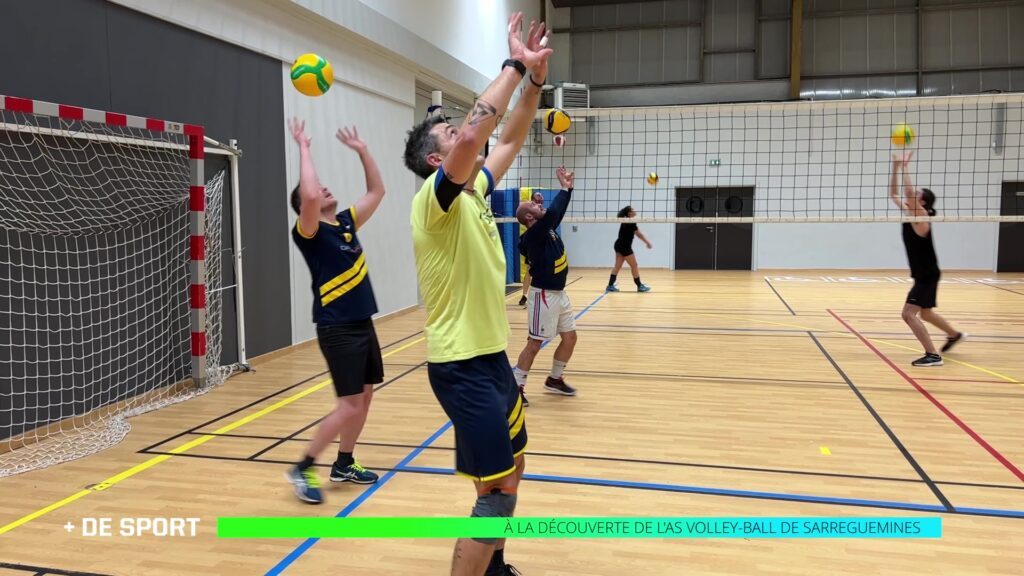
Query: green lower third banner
point(582, 527)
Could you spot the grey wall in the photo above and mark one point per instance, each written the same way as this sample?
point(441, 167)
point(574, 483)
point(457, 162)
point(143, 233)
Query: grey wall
point(681, 51)
point(135, 64)
point(139, 65)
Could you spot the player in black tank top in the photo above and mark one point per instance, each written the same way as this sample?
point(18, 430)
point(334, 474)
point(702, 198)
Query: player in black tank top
point(624, 251)
point(343, 309)
point(924, 265)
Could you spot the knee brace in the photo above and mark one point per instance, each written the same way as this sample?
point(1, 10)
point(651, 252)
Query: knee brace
point(495, 504)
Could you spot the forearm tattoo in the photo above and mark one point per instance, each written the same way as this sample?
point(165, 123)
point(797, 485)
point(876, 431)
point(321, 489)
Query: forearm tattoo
point(481, 112)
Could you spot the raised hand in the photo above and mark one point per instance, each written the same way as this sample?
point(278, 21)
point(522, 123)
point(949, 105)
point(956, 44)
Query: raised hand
point(298, 130)
point(532, 54)
point(538, 43)
point(565, 178)
point(902, 159)
point(350, 137)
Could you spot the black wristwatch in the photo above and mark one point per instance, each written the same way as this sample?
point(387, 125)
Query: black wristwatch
point(519, 66)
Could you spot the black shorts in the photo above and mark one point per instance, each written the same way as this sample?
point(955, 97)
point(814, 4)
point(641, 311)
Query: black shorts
point(623, 248)
point(353, 355)
point(481, 398)
point(924, 292)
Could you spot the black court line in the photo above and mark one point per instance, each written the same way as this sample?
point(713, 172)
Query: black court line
point(714, 311)
point(1001, 288)
point(780, 471)
point(885, 427)
point(233, 412)
point(585, 482)
point(37, 570)
point(781, 299)
point(258, 400)
point(699, 377)
point(767, 332)
point(320, 419)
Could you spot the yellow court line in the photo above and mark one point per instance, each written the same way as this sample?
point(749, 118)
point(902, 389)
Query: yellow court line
point(181, 449)
point(955, 361)
point(846, 334)
point(825, 451)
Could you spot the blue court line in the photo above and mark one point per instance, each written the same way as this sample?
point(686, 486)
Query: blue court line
point(739, 493)
point(308, 543)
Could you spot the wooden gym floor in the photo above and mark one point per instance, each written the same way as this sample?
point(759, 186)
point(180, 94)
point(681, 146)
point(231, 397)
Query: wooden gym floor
point(717, 394)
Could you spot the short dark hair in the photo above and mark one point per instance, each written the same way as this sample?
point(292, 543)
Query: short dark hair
point(624, 213)
point(296, 200)
point(928, 198)
point(419, 145)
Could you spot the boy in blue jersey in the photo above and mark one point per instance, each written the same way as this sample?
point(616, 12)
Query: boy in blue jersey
point(343, 308)
point(548, 308)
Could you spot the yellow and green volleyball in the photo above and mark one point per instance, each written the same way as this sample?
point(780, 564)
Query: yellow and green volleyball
point(902, 135)
point(652, 178)
point(557, 121)
point(312, 75)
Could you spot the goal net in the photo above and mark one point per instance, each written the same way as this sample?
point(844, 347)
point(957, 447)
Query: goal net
point(109, 288)
point(779, 162)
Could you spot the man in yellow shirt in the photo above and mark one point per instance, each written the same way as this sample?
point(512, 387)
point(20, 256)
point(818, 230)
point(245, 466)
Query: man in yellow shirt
point(461, 267)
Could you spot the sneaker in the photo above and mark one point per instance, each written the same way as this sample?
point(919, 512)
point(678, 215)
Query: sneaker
point(643, 288)
point(522, 394)
point(558, 386)
point(504, 570)
point(612, 288)
point(928, 360)
point(352, 473)
point(950, 342)
point(306, 483)
point(522, 301)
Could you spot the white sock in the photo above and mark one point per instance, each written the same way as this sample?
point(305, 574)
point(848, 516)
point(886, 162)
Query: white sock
point(520, 376)
point(557, 368)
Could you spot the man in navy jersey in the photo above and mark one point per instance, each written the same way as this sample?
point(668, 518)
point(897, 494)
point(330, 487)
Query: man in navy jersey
point(538, 199)
point(343, 308)
point(548, 309)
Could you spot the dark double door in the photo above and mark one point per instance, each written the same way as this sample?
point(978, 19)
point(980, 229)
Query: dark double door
point(714, 245)
point(1011, 234)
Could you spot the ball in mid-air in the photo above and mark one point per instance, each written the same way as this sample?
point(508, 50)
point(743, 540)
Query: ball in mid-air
point(312, 75)
point(556, 121)
point(902, 135)
point(652, 178)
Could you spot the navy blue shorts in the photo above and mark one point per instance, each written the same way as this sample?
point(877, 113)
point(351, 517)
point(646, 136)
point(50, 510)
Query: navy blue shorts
point(481, 398)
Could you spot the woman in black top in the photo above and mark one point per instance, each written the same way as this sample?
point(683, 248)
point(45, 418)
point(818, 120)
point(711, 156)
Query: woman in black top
point(624, 251)
point(924, 266)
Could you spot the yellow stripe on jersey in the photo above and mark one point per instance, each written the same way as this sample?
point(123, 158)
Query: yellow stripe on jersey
point(344, 276)
point(344, 288)
point(561, 264)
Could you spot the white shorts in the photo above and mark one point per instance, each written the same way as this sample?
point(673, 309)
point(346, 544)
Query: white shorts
point(549, 313)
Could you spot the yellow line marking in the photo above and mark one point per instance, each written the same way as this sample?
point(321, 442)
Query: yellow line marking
point(953, 360)
point(41, 511)
point(886, 342)
point(181, 449)
point(825, 451)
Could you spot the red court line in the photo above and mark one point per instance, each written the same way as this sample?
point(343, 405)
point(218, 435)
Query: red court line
point(949, 413)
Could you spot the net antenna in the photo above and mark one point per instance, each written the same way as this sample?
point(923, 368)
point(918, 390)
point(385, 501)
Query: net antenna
point(111, 290)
